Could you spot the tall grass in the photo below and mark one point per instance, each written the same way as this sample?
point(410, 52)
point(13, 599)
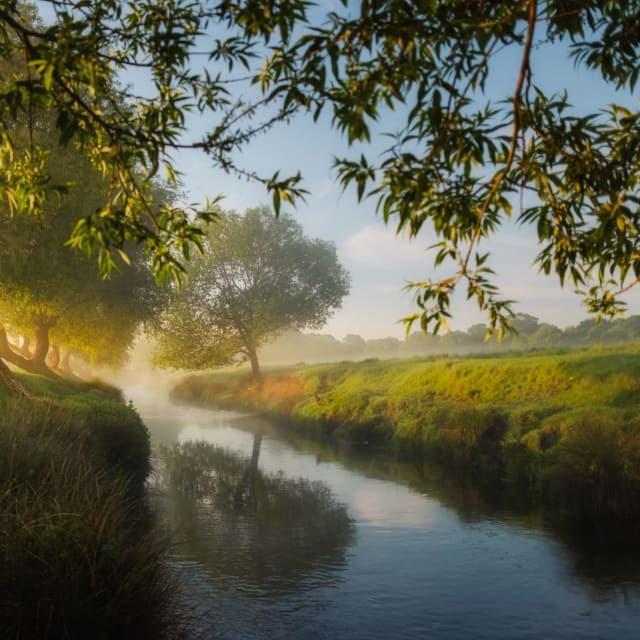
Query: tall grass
point(595, 468)
point(559, 427)
point(79, 554)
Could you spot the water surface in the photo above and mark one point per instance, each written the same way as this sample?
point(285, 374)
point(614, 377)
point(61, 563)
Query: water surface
point(330, 543)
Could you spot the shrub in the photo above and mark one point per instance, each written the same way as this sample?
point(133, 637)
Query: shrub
point(596, 468)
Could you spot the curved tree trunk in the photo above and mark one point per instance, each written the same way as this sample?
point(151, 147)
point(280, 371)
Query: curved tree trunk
point(8, 354)
point(27, 364)
point(15, 386)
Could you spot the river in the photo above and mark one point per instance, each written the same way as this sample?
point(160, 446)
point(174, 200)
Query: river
point(311, 542)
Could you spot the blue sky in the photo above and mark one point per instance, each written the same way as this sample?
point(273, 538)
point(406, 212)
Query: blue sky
point(379, 261)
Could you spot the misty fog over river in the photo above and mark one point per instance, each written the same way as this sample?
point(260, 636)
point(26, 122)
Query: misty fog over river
point(318, 543)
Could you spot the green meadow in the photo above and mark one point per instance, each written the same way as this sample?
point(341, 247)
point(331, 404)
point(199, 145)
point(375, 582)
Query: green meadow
point(560, 428)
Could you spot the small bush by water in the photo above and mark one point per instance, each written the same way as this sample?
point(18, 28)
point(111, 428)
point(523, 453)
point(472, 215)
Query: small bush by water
point(79, 555)
point(561, 428)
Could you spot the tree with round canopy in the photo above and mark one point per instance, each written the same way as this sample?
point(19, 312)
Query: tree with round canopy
point(258, 275)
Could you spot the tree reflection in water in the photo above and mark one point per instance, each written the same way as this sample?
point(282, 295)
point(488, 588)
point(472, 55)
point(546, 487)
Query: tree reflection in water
point(265, 534)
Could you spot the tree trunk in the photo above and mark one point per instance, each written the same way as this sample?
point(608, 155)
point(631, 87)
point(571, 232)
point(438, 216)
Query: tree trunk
point(28, 364)
point(15, 386)
point(42, 344)
point(8, 354)
point(255, 365)
point(53, 357)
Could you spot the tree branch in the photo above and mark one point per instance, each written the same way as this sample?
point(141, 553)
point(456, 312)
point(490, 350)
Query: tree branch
point(523, 75)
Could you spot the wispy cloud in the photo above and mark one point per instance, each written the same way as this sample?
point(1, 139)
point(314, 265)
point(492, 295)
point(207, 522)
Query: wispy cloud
point(378, 246)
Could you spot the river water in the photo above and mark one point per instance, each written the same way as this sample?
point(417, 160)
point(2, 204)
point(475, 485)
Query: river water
point(309, 542)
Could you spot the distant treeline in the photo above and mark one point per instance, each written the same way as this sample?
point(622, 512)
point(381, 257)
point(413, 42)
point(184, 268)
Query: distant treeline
point(296, 347)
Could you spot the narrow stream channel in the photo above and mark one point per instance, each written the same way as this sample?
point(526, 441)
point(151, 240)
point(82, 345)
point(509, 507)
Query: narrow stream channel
point(349, 545)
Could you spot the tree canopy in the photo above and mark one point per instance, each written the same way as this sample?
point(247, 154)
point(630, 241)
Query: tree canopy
point(48, 292)
point(184, 55)
point(461, 163)
point(258, 276)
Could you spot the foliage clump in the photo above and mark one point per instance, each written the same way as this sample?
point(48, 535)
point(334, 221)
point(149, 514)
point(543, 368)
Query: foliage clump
point(463, 152)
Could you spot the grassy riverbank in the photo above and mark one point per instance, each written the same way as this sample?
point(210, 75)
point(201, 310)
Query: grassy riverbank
point(78, 554)
point(561, 428)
